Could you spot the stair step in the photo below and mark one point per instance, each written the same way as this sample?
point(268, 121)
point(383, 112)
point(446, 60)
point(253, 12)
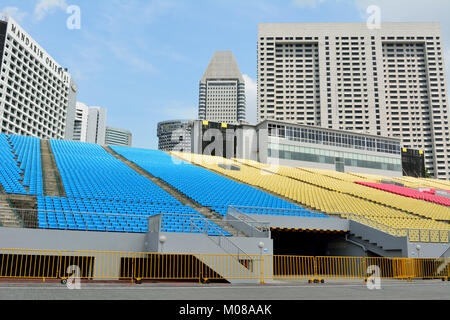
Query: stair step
point(53, 185)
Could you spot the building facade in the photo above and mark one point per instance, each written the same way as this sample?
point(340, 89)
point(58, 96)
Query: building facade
point(118, 137)
point(295, 145)
point(89, 124)
point(175, 135)
point(37, 95)
point(97, 129)
point(222, 90)
point(384, 82)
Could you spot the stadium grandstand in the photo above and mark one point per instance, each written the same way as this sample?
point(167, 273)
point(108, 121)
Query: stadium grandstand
point(77, 199)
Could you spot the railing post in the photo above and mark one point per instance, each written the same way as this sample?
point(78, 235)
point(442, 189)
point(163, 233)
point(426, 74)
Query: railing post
point(200, 265)
point(261, 268)
point(364, 271)
point(58, 268)
point(316, 276)
point(133, 266)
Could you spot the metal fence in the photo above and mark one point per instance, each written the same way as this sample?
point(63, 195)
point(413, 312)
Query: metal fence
point(95, 265)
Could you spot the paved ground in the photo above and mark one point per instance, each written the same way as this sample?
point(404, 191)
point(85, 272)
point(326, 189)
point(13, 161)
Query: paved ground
point(301, 290)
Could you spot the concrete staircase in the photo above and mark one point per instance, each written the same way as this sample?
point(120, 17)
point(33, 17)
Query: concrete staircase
point(8, 219)
point(53, 185)
point(377, 241)
point(444, 268)
point(204, 211)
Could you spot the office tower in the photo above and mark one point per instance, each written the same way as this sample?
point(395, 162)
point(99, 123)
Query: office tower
point(89, 124)
point(222, 90)
point(96, 132)
point(118, 137)
point(37, 95)
point(388, 81)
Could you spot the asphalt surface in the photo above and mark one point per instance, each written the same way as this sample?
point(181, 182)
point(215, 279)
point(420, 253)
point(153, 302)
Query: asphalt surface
point(301, 290)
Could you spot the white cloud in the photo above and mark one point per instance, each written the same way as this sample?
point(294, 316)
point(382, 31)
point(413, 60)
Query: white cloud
point(14, 13)
point(45, 7)
point(251, 91)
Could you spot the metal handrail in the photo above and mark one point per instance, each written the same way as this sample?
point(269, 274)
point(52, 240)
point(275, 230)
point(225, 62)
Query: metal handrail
point(106, 214)
point(256, 227)
point(240, 252)
point(397, 232)
point(447, 252)
point(217, 239)
point(30, 218)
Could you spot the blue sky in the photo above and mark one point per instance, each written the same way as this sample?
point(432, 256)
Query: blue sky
point(143, 59)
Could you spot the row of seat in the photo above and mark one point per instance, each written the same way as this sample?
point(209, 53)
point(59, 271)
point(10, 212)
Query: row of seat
point(413, 206)
point(407, 192)
point(21, 165)
point(28, 152)
point(96, 182)
point(121, 223)
point(89, 172)
point(203, 186)
point(278, 180)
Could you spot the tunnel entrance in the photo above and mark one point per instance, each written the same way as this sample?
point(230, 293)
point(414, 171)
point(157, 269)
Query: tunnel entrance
point(307, 243)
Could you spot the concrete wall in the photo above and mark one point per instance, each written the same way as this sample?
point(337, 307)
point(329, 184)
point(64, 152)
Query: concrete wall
point(427, 250)
point(36, 239)
point(342, 248)
point(382, 239)
point(199, 243)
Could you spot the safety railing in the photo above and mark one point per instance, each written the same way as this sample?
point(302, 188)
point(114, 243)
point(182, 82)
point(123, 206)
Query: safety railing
point(247, 225)
point(413, 235)
point(222, 240)
point(29, 218)
point(190, 223)
point(197, 224)
point(21, 217)
point(95, 265)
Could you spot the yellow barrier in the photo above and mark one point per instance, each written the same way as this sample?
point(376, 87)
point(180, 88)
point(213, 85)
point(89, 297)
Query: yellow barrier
point(95, 265)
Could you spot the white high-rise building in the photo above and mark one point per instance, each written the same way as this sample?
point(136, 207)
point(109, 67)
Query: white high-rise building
point(37, 95)
point(118, 137)
point(222, 90)
point(89, 124)
point(80, 126)
point(389, 81)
